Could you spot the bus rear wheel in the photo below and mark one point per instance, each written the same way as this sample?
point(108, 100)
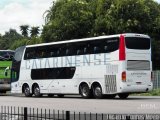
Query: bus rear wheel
point(97, 92)
point(36, 91)
point(123, 95)
point(27, 91)
point(85, 91)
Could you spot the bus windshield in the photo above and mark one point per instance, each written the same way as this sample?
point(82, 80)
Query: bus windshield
point(137, 43)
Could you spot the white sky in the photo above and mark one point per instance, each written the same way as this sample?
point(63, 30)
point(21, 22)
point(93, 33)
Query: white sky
point(14, 13)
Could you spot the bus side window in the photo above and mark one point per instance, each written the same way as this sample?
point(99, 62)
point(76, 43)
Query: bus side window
point(58, 53)
point(105, 48)
point(85, 50)
point(52, 54)
point(79, 52)
point(27, 56)
point(67, 52)
point(96, 50)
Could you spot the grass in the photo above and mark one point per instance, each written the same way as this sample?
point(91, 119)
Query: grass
point(155, 92)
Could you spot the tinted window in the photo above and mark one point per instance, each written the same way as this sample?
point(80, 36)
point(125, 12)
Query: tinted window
point(137, 43)
point(110, 45)
point(76, 48)
point(53, 73)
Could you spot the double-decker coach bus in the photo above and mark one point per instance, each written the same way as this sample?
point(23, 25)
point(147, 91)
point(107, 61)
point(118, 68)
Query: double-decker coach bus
point(92, 67)
point(5, 65)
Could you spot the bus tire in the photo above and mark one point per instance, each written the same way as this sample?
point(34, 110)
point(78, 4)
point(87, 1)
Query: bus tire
point(97, 92)
point(27, 92)
point(85, 92)
point(36, 91)
point(123, 95)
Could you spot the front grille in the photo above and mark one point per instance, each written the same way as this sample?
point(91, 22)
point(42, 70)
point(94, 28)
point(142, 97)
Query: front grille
point(110, 82)
point(138, 65)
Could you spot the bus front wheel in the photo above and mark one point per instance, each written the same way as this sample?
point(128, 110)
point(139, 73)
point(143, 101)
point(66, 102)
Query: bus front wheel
point(37, 91)
point(123, 95)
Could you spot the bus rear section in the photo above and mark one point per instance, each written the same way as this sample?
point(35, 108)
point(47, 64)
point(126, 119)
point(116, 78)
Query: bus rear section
point(136, 64)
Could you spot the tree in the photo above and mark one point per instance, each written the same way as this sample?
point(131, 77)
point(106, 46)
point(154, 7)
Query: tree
point(34, 31)
point(9, 38)
point(68, 19)
point(24, 29)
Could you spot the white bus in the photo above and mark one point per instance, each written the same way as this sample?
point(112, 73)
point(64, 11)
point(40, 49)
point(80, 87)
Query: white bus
point(92, 67)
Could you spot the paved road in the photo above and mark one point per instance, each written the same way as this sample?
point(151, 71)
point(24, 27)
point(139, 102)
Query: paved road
point(132, 105)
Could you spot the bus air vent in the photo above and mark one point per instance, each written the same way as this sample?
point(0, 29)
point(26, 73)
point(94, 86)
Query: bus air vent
point(110, 83)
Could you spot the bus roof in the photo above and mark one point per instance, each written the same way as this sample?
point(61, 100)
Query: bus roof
point(91, 38)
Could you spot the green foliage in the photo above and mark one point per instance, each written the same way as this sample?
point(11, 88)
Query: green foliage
point(24, 42)
point(68, 19)
point(121, 16)
point(18, 43)
point(34, 31)
point(24, 30)
point(9, 38)
point(155, 92)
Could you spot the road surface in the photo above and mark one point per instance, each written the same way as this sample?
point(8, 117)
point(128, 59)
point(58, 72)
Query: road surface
point(132, 105)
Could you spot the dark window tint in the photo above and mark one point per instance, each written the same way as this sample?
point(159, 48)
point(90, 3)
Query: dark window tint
point(137, 43)
point(53, 73)
point(110, 45)
point(106, 45)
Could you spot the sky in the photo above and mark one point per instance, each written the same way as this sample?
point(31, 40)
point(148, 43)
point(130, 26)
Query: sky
point(14, 13)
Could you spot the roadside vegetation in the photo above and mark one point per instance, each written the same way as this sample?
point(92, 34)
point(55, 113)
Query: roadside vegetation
point(155, 92)
point(73, 19)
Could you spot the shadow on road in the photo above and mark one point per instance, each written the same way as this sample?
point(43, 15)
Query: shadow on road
point(79, 97)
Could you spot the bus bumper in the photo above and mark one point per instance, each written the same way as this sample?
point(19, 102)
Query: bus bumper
point(136, 88)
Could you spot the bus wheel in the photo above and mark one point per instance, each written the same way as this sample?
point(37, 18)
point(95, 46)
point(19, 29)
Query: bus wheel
point(60, 95)
point(97, 92)
point(85, 91)
point(36, 91)
point(27, 91)
point(123, 95)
